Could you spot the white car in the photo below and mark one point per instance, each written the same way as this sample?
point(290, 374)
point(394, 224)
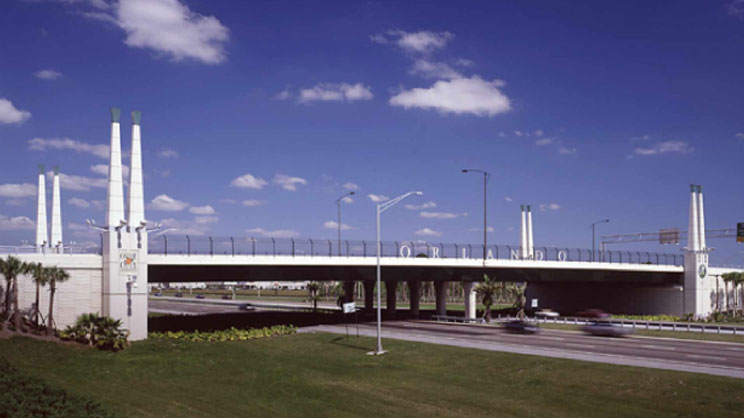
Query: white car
point(546, 313)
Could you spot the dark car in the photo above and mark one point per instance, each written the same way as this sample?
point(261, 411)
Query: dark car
point(157, 294)
point(521, 327)
point(200, 296)
point(246, 307)
point(593, 313)
point(178, 295)
point(606, 329)
point(226, 297)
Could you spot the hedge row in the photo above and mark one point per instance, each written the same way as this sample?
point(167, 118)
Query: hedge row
point(231, 334)
point(22, 396)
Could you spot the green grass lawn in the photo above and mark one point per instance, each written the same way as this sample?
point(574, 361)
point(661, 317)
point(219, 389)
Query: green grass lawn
point(664, 334)
point(325, 375)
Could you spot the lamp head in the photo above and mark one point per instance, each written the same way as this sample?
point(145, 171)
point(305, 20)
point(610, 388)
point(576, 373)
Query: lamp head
point(352, 193)
point(464, 170)
point(418, 193)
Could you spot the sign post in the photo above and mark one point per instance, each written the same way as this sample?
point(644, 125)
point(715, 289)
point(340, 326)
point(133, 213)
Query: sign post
point(350, 307)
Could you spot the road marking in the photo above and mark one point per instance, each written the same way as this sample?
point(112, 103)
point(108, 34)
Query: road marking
point(702, 357)
point(551, 338)
point(658, 347)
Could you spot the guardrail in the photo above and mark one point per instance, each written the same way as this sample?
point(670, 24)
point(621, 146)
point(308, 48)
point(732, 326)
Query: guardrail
point(29, 249)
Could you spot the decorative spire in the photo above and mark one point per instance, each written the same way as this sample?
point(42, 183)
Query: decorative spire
point(692, 230)
point(42, 238)
point(56, 241)
point(115, 195)
point(136, 213)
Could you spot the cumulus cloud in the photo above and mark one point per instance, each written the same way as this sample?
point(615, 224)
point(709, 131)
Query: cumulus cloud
point(735, 8)
point(459, 96)
point(17, 190)
point(15, 223)
point(352, 186)
point(283, 95)
point(206, 219)
point(248, 181)
point(489, 229)
point(566, 151)
point(680, 147)
point(427, 205)
point(81, 203)
point(277, 233)
point(431, 69)
point(202, 210)
point(740, 135)
point(186, 227)
point(427, 232)
point(508, 199)
point(348, 200)
point(9, 114)
point(334, 225)
point(544, 207)
point(166, 203)
point(422, 42)
point(78, 183)
point(438, 215)
point(252, 203)
point(102, 169)
point(335, 92)
point(48, 74)
point(288, 182)
point(544, 141)
point(377, 198)
point(166, 153)
point(41, 144)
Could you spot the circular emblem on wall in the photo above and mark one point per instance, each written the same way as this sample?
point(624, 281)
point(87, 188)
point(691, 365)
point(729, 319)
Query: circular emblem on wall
point(702, 271)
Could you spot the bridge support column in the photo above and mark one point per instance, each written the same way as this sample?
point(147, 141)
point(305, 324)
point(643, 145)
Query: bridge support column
point(390, 290)
point(440, 288)
point(349, 291)
point(415, 289)
point(369, 295)
point(469, 293)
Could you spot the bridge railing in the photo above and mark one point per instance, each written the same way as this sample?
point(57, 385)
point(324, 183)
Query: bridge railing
point(70, 249)
point(304, 247)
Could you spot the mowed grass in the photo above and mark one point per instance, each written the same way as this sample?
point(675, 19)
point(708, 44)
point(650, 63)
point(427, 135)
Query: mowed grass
point(323, 375)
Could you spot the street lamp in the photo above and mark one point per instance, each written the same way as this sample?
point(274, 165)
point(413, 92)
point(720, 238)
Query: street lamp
point(338, 203)
point(603, 221)
point(486, 175)
point(382, 207)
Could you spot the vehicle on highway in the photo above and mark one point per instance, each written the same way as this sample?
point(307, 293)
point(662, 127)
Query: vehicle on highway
point(200, 296)
point(546, 313)
point(178, 295)
point(521, 327)
point(157, 294)
point(226, 297)
point(606, 329)
point(593, 313)
point(246, 307)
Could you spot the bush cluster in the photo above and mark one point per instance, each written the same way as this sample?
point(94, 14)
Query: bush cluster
point(23, 396)
point(231, 334)
point(97, 331)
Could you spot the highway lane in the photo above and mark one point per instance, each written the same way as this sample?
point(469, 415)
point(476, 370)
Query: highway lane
point(719, 358)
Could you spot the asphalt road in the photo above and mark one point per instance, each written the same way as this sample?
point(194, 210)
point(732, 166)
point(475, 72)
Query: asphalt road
point(719, 358)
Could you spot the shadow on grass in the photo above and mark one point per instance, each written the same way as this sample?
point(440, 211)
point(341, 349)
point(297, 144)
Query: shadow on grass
point(351, 342)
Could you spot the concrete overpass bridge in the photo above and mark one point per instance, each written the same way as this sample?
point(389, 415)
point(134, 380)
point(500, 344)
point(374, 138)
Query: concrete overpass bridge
point(113, 278)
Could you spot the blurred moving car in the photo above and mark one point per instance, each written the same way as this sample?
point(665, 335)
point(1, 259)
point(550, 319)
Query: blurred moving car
point(246, 307)
point(606, 329)
point(593, 313)
point(157, 294)
point(178, 295)
point(521, 327)
point(546, 313)
point(226, 297)
point(200, 296)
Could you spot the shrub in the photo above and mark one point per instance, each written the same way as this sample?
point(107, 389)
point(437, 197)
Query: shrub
point(23, 396)
point(231, 334)
point(97, 331)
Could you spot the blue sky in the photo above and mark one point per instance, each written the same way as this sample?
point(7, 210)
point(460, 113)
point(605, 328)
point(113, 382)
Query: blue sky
point(256, 115)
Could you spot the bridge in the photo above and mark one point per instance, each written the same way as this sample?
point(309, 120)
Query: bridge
point(112, 278)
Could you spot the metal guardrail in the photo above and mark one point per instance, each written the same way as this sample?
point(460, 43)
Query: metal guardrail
point(29, 249)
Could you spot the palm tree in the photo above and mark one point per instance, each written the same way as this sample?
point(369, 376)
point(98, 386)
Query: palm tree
point(520, 300)
point(486, 291)
point(11, 268)
point(40, 276)
point(314, 289)
point(56, 275)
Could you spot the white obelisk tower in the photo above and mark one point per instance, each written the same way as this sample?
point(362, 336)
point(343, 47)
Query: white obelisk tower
point(523, 237)
point(698, 286)
point(42, 238)
point(530, 243)
point(56, 241)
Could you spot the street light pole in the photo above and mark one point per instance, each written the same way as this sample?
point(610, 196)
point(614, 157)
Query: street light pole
point(486, 175)
point(603, 221)
point(338, 204)
point(382, 207)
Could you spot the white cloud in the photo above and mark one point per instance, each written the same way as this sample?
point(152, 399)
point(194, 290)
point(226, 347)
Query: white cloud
point(544, 207)
point(544, 141)
point(252, 203)
point(206, 219)
point(645, 137)
point(170, 28)
point(15, 202)
point(277, 233)
point(740, 135)
point(377, 198)
point(427, 232)
point(508, 199)
point(335, 92)
point(334, 225)
point(9, 113)
point(80, 230)
point(202, 210)
point(518, 133)
point(283, 95)
point(459, 96)
point(102, 169)
point(427, 205)
point(539, 132)
point(78, 183)
point(48, 74)
point(166, 153)
point(166, 203)
point(348, 200)
point(422, 42)
point(735, 8)
point(81, 203)
point(680, 147)
point(17, 190)
point(41, 144)
point(15, 223)
point(288, 182)
point(186, 227)
point(438, 215)
point(489, 229)
point(566, 151)
point(352, 186)
point(248, 181)
point(431, 69)
point(98, 204)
